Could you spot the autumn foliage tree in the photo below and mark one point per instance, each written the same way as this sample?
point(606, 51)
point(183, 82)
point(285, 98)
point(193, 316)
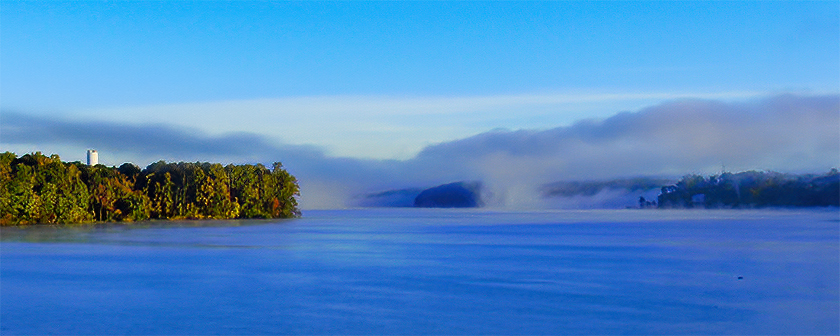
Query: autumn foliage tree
point(35, 188)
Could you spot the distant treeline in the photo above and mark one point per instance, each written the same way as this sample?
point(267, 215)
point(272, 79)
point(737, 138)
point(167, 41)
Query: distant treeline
point(590, 188)
point(753, 189)
point(35, 188)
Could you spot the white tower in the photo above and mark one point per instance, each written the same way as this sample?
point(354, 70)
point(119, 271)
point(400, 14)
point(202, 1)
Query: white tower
point(92, 157)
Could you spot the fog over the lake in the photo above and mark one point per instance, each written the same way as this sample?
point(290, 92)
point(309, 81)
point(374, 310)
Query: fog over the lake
point(786, 133)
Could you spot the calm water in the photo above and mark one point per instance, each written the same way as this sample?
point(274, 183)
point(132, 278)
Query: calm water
point(427, 271)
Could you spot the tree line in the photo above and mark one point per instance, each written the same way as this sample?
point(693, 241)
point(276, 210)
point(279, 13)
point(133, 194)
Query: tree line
point(36, 188)
point(590, 188)
point(753, 189)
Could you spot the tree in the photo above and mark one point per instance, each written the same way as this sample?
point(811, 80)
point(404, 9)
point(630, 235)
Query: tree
point(35, 188)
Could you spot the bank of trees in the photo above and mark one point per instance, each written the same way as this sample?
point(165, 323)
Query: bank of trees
point(35, 188)
point(591, 188)
point(753, 189)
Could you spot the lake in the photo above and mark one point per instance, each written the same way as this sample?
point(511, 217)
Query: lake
point(431, 271)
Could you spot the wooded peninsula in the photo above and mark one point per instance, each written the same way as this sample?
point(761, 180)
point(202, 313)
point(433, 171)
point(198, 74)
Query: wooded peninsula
point(36, 188)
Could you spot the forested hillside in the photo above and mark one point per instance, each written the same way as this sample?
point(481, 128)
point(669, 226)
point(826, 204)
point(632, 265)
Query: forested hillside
point(753, 189)
point(35, 188)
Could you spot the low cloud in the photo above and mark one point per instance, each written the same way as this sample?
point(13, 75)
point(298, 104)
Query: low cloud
point(354, 126)
point(787, 133)
point(781, 133)
point(784, 133)
point(141, 139)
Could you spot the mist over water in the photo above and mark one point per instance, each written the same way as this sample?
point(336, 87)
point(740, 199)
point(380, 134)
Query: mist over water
point(786, 133)
point(431, 271)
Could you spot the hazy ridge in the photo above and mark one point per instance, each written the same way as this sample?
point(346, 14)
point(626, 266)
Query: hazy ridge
point(728, 190)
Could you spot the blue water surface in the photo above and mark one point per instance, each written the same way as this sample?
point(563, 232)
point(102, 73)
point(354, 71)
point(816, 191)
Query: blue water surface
point(431, 271)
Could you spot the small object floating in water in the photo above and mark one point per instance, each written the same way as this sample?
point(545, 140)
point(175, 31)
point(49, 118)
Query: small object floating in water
point(740, 278)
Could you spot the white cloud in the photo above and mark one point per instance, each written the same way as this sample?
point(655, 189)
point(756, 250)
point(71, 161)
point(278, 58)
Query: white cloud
point(788, 133)
point(384, 127)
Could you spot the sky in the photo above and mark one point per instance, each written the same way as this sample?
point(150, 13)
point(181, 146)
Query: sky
point(356, 97)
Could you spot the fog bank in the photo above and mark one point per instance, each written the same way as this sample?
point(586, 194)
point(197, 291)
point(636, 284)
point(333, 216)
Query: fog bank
point(787, 133)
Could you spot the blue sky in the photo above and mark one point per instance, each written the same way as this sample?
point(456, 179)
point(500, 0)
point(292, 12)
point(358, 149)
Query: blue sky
point(378, 83)
point(68, 55)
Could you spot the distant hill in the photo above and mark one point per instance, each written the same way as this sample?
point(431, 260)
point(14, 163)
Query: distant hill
point(603, 194)
point(452, 195)
point(399, 198)
point(729, 190)
point(590, 188)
